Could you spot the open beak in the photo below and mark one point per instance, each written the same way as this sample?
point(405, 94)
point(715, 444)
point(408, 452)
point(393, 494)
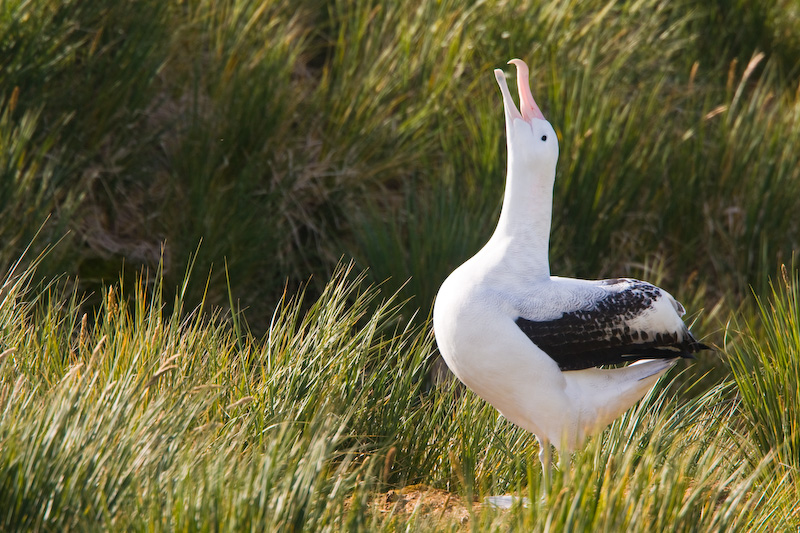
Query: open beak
point(529, 109)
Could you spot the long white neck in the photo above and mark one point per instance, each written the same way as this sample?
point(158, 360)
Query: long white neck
point(524, 225)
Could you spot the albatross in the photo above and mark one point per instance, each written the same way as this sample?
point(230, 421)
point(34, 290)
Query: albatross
point(546, 351)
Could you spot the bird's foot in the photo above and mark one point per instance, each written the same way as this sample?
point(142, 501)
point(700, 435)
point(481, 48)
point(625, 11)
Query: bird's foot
point(505, 502)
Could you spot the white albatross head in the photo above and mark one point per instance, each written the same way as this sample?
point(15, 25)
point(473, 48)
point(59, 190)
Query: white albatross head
point(532, 141)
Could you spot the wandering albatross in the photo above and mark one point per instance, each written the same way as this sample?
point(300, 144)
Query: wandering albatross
point(531, 344)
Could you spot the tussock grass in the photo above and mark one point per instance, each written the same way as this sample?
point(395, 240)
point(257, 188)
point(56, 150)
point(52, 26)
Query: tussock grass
point(284, 135)
point(766, 373)
point(141, 418)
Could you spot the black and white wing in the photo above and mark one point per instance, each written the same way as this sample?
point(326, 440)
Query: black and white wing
point(629, 320)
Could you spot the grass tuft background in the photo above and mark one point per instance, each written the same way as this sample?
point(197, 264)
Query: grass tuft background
point(189, 166)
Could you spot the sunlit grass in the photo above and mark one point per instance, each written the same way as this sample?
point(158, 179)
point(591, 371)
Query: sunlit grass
point(766, 368)
point(140, 418)
point(285, 135)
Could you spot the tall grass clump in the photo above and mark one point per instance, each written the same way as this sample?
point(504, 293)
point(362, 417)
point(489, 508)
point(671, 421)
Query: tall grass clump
point(666, 464)
point(285, 134)
point(282, 136)
point(77, 80)
point(666, 154)
point(136, 417)
point(766, 368)
point(147, 416)
point(226, 118)
point(26, 180)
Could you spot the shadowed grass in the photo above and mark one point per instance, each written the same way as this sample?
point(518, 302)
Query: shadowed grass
point(283, 133)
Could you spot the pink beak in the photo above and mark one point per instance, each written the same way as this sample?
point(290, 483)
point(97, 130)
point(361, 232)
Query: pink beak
point(527, 105)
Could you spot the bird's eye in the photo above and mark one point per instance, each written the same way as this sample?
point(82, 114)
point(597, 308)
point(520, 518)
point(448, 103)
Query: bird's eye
point(544, 137)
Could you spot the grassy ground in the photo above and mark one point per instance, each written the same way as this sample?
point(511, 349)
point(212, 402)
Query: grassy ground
point(134, 418)
point(256, 144)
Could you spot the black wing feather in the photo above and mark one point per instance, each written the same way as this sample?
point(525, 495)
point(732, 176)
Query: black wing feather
point(600, 335)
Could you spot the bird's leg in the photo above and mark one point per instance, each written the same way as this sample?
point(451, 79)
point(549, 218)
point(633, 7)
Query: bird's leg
point(564, 463)
point(545, 458)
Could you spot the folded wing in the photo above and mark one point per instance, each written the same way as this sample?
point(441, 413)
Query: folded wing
point(630, 320)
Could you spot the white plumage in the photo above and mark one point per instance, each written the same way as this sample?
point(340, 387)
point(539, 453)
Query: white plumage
point(530, 343)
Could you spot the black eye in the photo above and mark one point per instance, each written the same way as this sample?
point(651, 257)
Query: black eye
point(544, 137)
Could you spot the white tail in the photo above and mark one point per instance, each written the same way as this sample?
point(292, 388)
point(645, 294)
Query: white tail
point(606, 393)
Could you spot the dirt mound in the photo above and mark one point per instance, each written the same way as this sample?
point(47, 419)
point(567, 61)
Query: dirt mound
point(425, 504)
